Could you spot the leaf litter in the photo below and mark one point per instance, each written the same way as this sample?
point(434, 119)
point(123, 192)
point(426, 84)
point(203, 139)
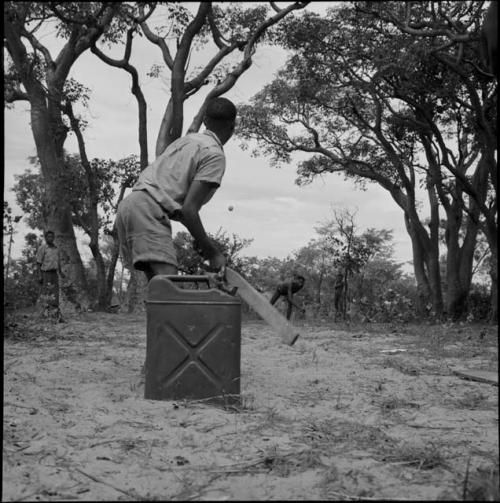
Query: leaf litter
point(327, 418)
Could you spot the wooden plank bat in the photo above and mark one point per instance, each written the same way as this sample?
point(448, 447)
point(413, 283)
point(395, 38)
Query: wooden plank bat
point(477, 375)
point(262, 307)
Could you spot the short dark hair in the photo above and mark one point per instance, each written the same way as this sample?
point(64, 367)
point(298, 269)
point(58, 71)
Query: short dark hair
point(220, 109)
point(49, 232)
point(299, 276)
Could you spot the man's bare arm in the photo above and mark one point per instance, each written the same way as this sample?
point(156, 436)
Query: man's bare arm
point(190, 218)
point(290, 298)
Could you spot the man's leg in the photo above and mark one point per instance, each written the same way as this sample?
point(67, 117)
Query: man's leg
point(275, 297)
point(289, 310)
point(336, 306)
point(51, 287)
point(155, 268)
point(43, 298)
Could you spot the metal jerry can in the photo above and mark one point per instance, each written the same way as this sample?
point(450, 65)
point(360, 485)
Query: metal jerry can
point(193, 341)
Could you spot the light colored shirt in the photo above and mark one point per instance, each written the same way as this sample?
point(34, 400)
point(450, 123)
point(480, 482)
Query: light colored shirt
point(48, 257)
point(196, 156)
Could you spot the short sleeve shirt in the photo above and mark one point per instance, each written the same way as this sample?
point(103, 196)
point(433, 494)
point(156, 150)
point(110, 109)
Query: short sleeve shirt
point(48, 257)
point(196, 156)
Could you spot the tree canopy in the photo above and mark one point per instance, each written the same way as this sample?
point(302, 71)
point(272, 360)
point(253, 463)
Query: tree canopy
point(413, 112)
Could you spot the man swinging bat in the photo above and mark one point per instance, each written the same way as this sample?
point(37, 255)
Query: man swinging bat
point(286, 289)
point(174, 187)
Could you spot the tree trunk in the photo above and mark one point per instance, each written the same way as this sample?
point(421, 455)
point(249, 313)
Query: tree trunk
point(490, 230)
point(93, 213)
point(493, 243)
point(49, 135)
point(136, 291)
point(166, 134)
point(425, 249)
point(111, 273)
point(318, 289)
point(494, 291)
point(459, 264)
point(433, 268)
point(45, 94)
point(423, 288)
point(11, 237)
point(120, 289)
point(173, 120)
point(102, 293)
point(460, 258)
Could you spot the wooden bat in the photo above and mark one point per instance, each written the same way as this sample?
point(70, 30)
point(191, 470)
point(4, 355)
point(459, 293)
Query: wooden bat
point(262, 307)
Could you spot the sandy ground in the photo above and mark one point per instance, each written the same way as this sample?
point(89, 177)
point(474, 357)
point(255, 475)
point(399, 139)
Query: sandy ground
point(332, 417)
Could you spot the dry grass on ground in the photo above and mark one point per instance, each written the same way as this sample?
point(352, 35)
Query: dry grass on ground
point(334, 417)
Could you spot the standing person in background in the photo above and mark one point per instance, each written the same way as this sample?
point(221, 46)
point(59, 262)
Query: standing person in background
point(49, 268)
point(338, 298)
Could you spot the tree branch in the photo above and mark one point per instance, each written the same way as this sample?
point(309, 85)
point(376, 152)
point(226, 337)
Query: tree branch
point(160, 42)
point(216, 34)
point(69, 20)
point(416, 29)
point(35, 43)
point(195, 83)
point(275, 7)
point(143, 17)
point(136, 91)
point(118, 63)
point(191, 30)
point(81, 41)
point(229, 81)
point(13, 95)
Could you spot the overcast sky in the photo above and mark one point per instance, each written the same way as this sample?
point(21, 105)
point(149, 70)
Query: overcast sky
point(268, 206)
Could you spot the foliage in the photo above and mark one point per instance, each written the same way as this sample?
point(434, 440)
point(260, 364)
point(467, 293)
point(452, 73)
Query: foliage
point(377, 289)
point(21, 287)
point(264, 274)
point(31, 197)
point(8, 219)
point(238, 21)
point(109, 180)
point(9, 222)
point(39, 66)
point(325, 98)
point(383, 105)
point(191, 262)
point(479, 302)
point(348, 251)
point(73, 22)
point(106, 247)
point(110, 177)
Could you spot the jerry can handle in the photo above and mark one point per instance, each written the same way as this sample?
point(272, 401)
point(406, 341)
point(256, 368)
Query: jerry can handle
point(179, 278)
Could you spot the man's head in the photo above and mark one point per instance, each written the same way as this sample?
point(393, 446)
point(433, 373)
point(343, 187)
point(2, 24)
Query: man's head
point(49, 237)
point(298, 278)
point(220, 117)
